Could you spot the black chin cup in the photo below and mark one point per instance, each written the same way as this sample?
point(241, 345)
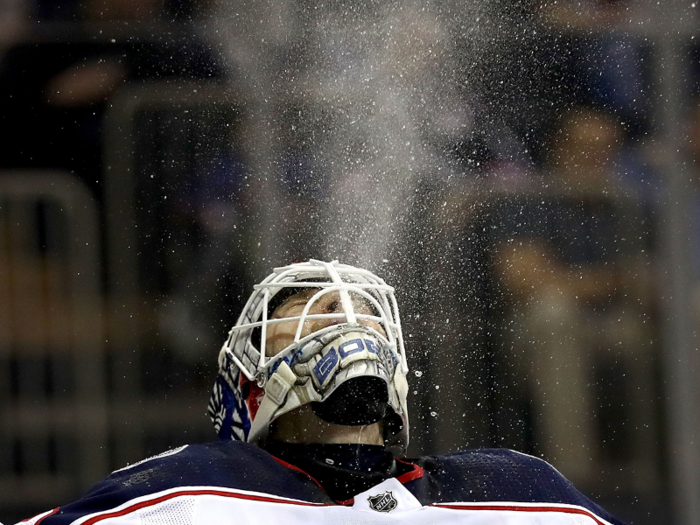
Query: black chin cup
point(358, 401)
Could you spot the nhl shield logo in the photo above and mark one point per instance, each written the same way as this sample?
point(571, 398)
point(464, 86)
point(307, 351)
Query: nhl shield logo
point(385, 502)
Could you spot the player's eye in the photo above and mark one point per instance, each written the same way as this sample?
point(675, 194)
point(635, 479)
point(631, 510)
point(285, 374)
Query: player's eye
point(333, 307)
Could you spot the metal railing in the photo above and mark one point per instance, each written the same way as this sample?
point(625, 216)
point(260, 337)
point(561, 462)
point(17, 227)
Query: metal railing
point(133, 216)
point(52, 328)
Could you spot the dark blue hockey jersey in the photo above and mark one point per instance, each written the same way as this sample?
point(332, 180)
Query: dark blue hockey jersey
point(230, 482)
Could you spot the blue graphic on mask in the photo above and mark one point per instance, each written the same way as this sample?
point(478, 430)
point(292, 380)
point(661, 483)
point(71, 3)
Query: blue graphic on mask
point(372, 347)
point(350, 347)
point(326, 366)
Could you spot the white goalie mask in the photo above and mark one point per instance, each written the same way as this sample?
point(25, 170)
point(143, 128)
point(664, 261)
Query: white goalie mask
point(351, 368)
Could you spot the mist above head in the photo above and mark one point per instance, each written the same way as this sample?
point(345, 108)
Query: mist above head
point(363, 97)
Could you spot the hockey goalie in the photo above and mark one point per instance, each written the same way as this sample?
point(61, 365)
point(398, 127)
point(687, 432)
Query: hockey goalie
point(310, 408)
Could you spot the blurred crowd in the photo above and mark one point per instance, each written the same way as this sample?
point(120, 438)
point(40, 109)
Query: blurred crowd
point(61, 62)
point(521, 134)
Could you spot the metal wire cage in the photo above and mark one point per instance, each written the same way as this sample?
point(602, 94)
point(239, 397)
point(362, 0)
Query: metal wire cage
point(327, 277)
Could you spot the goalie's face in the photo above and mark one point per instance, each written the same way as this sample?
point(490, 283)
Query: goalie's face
point(281, 335)
point(302, 425)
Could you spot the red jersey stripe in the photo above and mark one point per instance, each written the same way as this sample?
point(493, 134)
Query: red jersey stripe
point(195, 492)
point(416, 473)
point(520, 508)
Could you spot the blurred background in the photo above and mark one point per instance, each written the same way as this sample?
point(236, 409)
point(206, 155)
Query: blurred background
point(525, 172)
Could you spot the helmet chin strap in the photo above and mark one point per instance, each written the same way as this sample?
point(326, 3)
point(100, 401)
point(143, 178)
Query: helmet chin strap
point(282, 394)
